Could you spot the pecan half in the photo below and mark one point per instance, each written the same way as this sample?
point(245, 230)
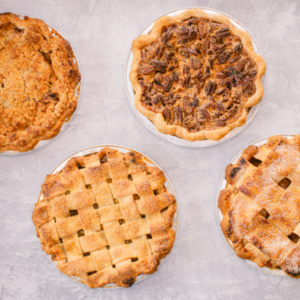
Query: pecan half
point(143, 56)
point(233, 111)
point(220, 91)
point(221, 48)
point(159, 51)
point(175, 76)
point(169, 55)
point(189, 50)
point(223, 32)
point(143, 85)
point(168, 83)
point(159, 65)
point(167, 114)
point(249, 89)
point(178, 114)
point(212, 105)
point(186, 70)
point(240, 65)
point(220, 123)
point(220, 75)
point(237, 47)
point(157, 99)
point(202, 29)
point(186, 81)
point(233, 59)
point(210, 61)
point(210, 88)
point(199, 74)
point(199, 86)
point(182, 31)
point(196, 64)
point(206, 45)
point(237, 94)
point(223, 57)
point(159, 78)
point(204, 113)
point(252, 72)
point(195, 102)
point(220, 107)
point(167, 34)
point(147, 70)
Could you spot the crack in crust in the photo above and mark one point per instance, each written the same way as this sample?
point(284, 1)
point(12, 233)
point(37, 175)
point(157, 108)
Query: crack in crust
point(196, 75)
point(260, 205)
point(38, 80)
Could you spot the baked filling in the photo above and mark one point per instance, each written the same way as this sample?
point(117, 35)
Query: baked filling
point(261, 205)
point(196, 72)
point(38, 78)
point(106, 218)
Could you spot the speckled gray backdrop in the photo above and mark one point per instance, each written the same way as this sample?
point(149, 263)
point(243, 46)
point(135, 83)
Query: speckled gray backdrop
point(201, 265)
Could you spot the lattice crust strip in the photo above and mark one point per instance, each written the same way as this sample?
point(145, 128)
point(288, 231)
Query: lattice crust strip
point(106, 218)
point(261, 204)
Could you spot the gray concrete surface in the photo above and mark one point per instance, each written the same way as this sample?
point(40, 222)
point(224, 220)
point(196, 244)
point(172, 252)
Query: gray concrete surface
point(201, 265)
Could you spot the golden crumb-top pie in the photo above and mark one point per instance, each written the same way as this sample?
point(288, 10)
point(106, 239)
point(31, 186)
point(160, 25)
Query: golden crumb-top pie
point(261, 205)
point(38, 78)
point(106, 218)
point(196, 75)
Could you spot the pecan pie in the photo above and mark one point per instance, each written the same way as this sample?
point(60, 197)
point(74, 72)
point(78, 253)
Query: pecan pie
point(261, 205)
point(106, 218)
point(38, 78)
point(195, 75)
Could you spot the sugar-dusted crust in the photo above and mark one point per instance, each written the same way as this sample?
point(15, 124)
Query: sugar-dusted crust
point(261, 206)
point(157, 117)
point(106, 218)
point(38, 79)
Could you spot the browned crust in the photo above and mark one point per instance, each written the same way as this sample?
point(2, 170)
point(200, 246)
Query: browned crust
point(71, 105)
point(232, 174)
point(157, 118)
point(54, 187)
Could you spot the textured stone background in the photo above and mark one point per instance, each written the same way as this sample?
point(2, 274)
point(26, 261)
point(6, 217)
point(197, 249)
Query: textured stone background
point(201, 265)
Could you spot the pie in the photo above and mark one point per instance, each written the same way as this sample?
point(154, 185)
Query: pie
point(195, 75)
point(106, 218)
point(38, 79)
point(261, 205)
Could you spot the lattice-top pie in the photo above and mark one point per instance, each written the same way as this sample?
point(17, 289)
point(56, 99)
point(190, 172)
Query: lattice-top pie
point(106, 218)
point(195, 75)
point(261, 205)
point(38, 78)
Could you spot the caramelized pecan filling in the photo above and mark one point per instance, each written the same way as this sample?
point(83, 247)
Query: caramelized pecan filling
point(197, 74)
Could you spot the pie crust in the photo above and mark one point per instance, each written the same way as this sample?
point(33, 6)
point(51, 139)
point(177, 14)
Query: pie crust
point(261, 205)
point(195, 75)
point(106, 218)
point(38, 80)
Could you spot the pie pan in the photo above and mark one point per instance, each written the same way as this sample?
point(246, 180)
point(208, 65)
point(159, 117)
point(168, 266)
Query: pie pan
point(223, 184)
point(150, 125)
point(66, 122)
point(122, 149)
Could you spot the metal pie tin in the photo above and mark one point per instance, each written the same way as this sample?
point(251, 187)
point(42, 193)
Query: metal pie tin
point(43, 143)
point(223, 185)
point(174, 139)
point(122, 149)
